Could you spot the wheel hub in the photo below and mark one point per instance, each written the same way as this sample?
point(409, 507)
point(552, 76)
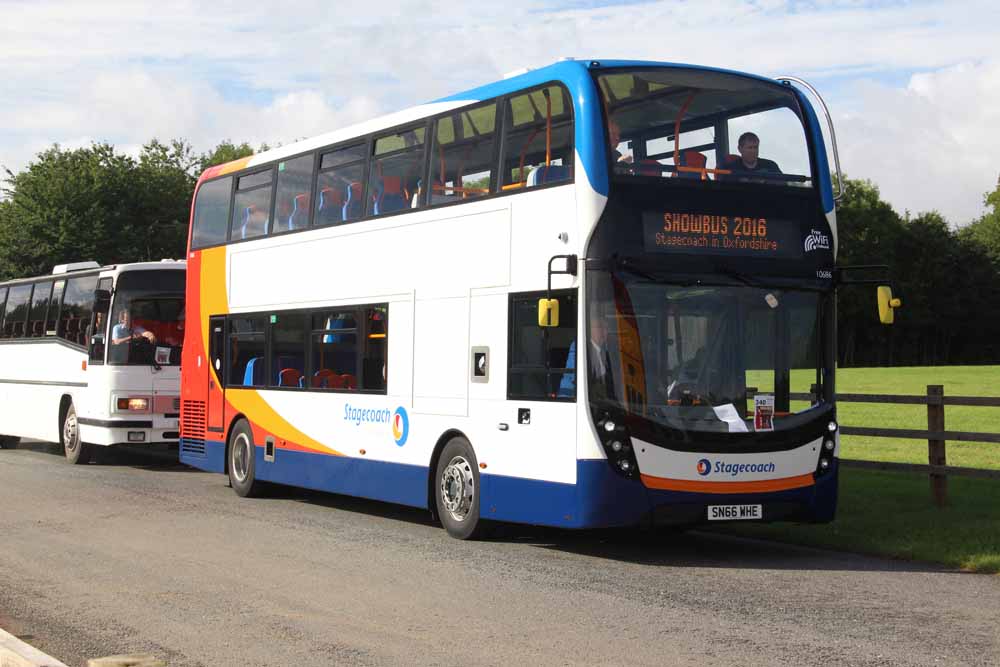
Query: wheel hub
point(241, 457)
point(458, 485)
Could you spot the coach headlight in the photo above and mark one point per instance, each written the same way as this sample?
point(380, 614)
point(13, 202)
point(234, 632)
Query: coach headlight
point(131, 403)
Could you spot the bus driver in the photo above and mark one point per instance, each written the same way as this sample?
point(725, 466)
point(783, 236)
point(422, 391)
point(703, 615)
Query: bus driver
point(124, 331)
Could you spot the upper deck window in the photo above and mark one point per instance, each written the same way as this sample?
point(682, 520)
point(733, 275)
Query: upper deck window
point(538, 138)
point(396, 179)
point(211, 213)
point(251, 206)
point(698, 125)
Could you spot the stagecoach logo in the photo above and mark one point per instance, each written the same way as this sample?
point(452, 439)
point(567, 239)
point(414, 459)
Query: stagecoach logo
point(817, 240)
point(400, 426)
point(399, 421)
point(705, 467)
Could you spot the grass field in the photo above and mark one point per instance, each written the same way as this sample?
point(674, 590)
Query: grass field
point(957, 381)
point(890, 514)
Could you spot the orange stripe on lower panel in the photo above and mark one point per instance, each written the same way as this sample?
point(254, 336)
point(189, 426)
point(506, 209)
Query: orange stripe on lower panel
point(761, 486)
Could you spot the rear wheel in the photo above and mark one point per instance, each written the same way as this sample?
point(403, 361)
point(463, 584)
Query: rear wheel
point(457, 490)
point(9, 441)
point(77, 451)
point(241, 460)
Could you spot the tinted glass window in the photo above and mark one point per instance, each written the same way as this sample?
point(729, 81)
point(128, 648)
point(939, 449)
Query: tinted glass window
point(16, 311)
point(39, 308)
point(288, 350)
point(252, 207)
point(97, 333)
point(291, 208)
point(246, 351)
point(334, 349)
point(395, 182)
point(52, 319)
point(3, 302)
point(78, 304)
point(538, 143)
point(542, 359)
point(211, 213)
point(462, 157)
point(340, 186)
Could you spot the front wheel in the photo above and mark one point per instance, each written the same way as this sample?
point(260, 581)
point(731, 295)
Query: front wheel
point(9, 441)
point(457, 490)
point(77, 451)
point(241, 461)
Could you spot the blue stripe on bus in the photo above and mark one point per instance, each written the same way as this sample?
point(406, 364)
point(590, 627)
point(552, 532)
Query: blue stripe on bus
point(600, 498)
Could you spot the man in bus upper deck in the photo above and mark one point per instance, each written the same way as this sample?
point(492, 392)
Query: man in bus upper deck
point(125, 331)
point(750, 162)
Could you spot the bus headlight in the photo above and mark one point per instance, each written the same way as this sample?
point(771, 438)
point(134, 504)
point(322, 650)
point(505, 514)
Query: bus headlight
point(831, 427)
point(132, 403)
point(824, 464)
point(828, 444)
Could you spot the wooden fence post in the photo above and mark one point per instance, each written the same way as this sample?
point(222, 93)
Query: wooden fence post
point(936, 448)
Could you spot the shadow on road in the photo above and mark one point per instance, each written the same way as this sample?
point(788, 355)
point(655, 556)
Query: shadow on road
point(662, 547)
point(150, 457)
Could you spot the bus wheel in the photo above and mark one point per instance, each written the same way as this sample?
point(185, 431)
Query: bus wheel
point(457, 490)
point(240, 463)
point(77, 451)
point(9, 441)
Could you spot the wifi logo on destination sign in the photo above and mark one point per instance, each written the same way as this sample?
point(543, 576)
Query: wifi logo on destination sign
point(704, 467)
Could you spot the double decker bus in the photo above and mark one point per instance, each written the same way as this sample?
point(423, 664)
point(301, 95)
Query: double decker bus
point(90, 356)
point(581, 296)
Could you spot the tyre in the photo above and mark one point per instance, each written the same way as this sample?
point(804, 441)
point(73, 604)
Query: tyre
point(77, 451)
point(241, 461)
point(456, 492)
point(9, 441)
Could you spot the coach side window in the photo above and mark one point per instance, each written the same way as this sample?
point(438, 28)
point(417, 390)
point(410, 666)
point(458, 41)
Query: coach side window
point(538, 138)
point(39, 306)
point(395, 180)
point(52, 319)
point(16, 311)
point(252, 206)
point(340, 187)
point(211, 213)
point(291, 207)
point(78, 304)
point(3, 303)
point(334, 349)
point(246, 351)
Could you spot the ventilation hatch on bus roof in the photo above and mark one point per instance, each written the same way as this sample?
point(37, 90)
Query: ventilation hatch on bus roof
point(74, 266)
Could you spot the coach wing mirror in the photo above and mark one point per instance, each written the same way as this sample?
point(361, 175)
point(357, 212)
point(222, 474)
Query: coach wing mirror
point(887, 305)
point(548, 312)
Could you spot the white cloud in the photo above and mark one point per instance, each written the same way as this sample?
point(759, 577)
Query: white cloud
point(126, 71)
point(931, 145)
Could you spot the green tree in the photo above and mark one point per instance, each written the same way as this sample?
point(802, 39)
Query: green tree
point(95, 203)
point(986, 230)
point(226, 151)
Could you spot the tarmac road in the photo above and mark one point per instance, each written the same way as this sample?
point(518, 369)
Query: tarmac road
point(140, 554)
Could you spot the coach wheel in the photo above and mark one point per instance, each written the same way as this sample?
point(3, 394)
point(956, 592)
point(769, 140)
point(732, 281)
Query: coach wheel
point(242, 454)
point(9, 441)
point(457, 490)
point(77, 451)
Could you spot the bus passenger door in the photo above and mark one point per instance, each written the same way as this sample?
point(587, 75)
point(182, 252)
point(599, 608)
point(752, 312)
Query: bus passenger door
point(216, 373)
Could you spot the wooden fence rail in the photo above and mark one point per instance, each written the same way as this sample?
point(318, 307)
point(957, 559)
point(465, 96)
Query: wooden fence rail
point(936, 435)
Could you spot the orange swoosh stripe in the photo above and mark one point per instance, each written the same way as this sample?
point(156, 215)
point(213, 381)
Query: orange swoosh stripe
point(762, 486)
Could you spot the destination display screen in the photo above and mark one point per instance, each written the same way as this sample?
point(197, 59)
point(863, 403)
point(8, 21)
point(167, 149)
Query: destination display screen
point(701, 233)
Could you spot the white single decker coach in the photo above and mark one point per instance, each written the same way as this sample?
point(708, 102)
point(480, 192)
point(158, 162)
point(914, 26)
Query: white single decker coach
point(90, 356)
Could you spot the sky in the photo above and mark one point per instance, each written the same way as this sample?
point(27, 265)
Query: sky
point(913, 86)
